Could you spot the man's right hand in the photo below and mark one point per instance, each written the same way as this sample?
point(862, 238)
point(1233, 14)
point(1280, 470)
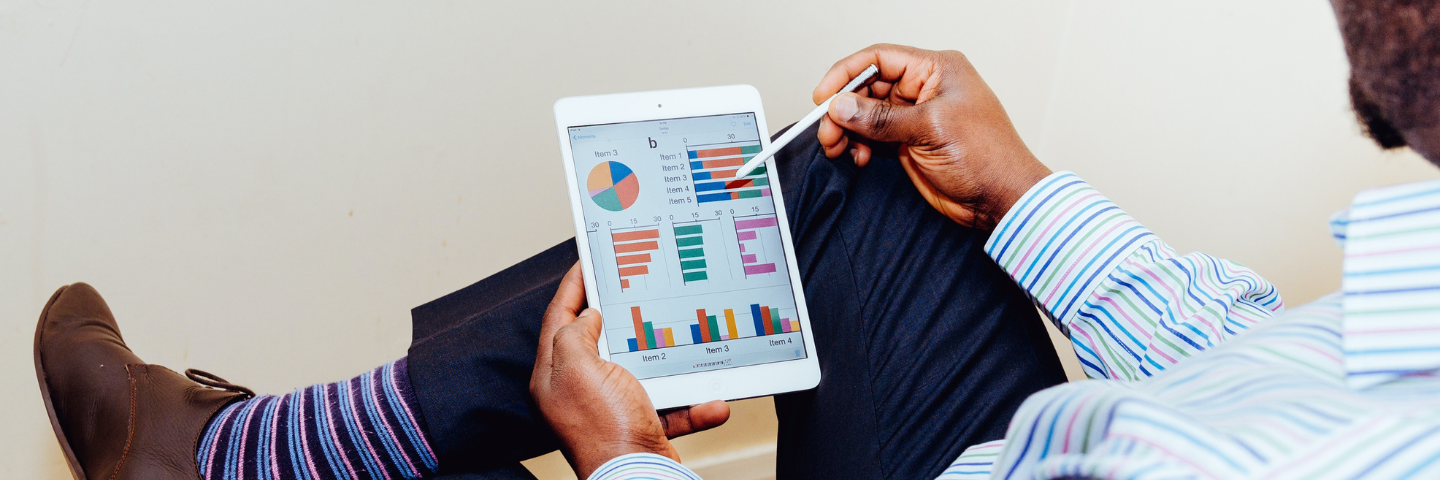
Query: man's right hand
point(955, 140)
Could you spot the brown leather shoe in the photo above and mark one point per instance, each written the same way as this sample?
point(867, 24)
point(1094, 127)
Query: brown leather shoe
point(115, 416)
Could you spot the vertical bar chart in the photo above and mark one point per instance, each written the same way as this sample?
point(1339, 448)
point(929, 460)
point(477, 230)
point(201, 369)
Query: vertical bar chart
point(754, 256)
point(635, 250)
point(707, 327)
point(714, 169)
point(769, 322)
point(690, 242)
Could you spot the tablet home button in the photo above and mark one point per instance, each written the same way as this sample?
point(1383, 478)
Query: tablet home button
point(717, 385)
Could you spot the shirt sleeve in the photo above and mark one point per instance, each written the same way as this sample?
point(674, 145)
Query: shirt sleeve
point(643, 466)
point(1130, 305)
point(975, 463)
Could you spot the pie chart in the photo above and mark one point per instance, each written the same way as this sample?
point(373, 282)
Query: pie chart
point(613, 186)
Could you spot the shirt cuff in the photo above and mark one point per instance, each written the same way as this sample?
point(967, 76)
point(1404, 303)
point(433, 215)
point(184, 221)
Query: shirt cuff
point(1061, 240)
point(647, 466)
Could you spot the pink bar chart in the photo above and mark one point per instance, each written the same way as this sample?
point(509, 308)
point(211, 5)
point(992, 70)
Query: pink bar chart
point(753, 233)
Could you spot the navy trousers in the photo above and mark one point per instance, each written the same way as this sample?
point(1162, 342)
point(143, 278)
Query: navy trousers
point(925, 346)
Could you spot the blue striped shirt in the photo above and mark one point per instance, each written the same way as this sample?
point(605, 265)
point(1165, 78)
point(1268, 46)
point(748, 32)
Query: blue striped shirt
point(1197, 368)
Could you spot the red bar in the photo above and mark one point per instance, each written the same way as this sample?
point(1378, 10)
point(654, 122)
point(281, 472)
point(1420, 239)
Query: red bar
point(704, 326)
point(633, 271)
point(624, 283)
point(749, 182)
point(717, 152)
point(631, 259)
point(636, 247)
point(639, 328)
point(640, 235)
point(769, 324)
point(724, 162)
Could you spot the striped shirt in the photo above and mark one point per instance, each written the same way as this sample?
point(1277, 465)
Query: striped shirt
point(1197, 368)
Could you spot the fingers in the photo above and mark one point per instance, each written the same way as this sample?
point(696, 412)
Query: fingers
point(568, 301)
point(697, 418)
point(905, 67)
point(860, 152)
point(878, 120)
point(838, 140)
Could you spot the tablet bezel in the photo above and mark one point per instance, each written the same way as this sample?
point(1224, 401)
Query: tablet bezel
point(699, 387)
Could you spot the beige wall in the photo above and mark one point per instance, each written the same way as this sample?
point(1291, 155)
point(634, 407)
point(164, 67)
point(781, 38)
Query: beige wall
point(263, 189)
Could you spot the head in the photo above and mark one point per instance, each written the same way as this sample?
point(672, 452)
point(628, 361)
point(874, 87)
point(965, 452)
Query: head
point(1394, 51)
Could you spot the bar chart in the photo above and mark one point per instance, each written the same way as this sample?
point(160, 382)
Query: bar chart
point(759, 237)
point(635, 250)
point(686, 259)
point(714, 169)
point(647, 337)
point(769, 322)
point(708, 327)
point(690, 245)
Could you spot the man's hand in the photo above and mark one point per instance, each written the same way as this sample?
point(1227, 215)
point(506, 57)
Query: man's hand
point(598, 409)
point(955, 140)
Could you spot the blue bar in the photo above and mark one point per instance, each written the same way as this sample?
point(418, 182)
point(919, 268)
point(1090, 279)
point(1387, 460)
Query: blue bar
point(709, 186)
point(702, 175)
point(759, 321)
point(695, 333)
point(631, 343)
point(713, 197)
point(694, 154)
point(696, 165)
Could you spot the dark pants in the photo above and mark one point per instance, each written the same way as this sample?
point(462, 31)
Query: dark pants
point(926, 347)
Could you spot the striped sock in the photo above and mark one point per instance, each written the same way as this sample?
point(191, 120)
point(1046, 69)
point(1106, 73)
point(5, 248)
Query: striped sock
point(364, 427)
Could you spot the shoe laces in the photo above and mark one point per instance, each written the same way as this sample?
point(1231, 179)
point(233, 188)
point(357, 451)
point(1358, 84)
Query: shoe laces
point(214, 381)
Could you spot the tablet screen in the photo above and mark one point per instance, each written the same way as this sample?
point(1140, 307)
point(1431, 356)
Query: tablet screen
point(688, 258)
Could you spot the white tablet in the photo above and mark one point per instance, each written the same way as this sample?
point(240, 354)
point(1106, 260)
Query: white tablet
point(692, 268)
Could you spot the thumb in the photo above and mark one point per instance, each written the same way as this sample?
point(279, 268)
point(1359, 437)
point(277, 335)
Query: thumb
point(877, 120)
point(580, 338)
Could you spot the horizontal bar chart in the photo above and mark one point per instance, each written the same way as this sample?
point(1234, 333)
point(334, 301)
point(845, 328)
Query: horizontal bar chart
point(747, 232)
point(633, 253)
point(714, 168)
point(690, 246)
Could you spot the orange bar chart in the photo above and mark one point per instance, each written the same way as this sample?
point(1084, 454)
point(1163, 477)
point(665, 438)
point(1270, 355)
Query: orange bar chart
point(633, 253)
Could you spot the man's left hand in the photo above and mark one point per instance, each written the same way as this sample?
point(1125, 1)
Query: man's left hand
point(597, 408)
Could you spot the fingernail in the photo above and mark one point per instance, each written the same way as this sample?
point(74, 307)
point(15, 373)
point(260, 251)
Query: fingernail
point(588, 312)
point(846, 106)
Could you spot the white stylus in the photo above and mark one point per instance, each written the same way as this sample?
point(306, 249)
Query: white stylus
point(804, 123)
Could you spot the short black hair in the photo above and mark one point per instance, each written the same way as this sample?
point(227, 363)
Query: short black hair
point(1394, 51)
point(1372, 120)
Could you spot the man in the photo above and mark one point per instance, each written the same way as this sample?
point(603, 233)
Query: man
point(1205, 375)
point(926, 348)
